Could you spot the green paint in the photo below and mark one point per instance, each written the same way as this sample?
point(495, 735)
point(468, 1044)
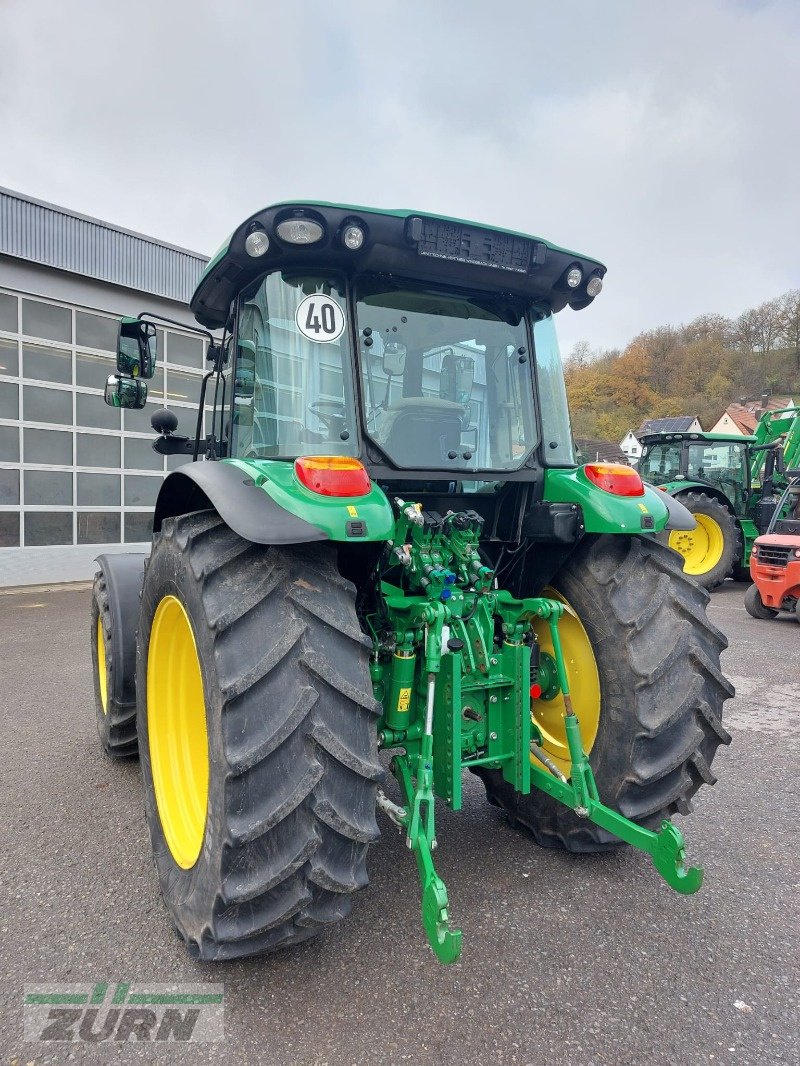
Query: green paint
point(331, 514)
point(174, 997)
point(54, 998)
point(459, 651)
point(99, 993)
point(603, 512)
point(121, 992)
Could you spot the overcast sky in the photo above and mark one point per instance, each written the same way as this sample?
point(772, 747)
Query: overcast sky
point(660, 138)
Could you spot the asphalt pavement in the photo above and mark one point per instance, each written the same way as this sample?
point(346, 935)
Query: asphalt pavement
point(580, 960)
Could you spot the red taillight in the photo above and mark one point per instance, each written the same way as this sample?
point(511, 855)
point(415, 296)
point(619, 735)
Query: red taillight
point(332, 475)
point(616, 478)
point(536, 691)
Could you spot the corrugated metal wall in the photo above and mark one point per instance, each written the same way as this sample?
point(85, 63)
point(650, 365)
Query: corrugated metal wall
point(44, 233)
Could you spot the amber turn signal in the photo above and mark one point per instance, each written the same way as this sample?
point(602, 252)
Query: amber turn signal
point(332, 475)
point(615, 478)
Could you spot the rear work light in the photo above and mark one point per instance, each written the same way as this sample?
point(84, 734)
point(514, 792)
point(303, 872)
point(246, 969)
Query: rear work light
point(615, 478)
point(332, 475)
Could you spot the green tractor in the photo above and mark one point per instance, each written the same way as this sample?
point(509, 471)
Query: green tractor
point(731, 484)
point(389, 548)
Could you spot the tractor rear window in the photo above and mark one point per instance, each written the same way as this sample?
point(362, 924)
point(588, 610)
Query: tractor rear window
point(446, 381)
point(293, 392)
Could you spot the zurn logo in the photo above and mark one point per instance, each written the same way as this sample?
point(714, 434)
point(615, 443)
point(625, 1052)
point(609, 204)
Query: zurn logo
point(124, 1012)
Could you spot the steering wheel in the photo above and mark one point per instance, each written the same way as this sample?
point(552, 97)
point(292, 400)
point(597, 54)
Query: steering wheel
point(333, 418)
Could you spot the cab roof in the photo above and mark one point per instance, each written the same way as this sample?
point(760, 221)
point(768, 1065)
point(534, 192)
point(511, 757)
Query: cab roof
point(415, 244)
point(698, 438)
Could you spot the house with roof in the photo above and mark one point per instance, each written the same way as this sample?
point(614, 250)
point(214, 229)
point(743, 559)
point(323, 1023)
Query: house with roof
point(742, 418)
point(676, 424)
point(591, 450)
point(631, 447)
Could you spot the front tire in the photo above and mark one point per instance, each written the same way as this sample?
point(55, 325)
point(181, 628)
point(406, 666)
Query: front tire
point(266, 842)
point(755, 606)
point(661, 691)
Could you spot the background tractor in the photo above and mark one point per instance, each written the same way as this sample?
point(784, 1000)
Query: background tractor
point(731, 484)
point(389, 547)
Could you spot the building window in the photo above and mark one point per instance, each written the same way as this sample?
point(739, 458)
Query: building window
point(8, 312)
point(46, 321)
point(140, 490)
point(94, 450)
point(9, 487)
point(46, 405)
point(9, 529)
point(92, 371)
point(47, 364)
point(139, 454)
point(48, 487)
point(9, 444)
point(43, 528)
point(9, 400)
point(72, 470)
point(138, 526)
point(93, 411)
point(99, 490)
point(98, 527)
point(92, 331)
point(47, 446)
point(9, 357)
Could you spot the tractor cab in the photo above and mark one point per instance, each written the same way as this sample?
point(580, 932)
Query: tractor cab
point(425, 347)
point(718, 462)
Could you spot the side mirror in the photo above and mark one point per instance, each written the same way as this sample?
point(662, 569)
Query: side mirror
point(127, 392)
point(394, 358)
point(136, 348)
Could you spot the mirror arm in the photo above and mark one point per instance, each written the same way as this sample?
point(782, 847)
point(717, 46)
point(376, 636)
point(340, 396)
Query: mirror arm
point(172, 444)
point(145, 315)
point(200, 407)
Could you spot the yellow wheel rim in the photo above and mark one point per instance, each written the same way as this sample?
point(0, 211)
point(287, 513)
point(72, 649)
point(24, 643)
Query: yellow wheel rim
point(102, 669)
point(584, 683)
point(701, 547)
point(176, 727)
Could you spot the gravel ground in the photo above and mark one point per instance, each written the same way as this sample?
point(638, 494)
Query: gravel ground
point(583, 959)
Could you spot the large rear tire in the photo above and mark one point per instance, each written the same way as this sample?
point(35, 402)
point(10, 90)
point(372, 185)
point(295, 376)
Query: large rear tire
point(260, 828)
point(713, 548)
point(661, 691)
point(116, 722)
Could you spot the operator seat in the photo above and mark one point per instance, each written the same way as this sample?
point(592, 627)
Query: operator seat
point(421, 430)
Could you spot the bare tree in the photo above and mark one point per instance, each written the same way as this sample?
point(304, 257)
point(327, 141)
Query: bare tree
point(790, 323)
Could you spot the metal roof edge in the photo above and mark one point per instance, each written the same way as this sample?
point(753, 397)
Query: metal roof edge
point(69, 213)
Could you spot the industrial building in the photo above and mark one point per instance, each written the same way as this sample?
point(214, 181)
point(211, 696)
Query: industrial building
point(77, 477)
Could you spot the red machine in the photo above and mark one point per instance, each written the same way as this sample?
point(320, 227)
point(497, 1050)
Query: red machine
point(775, 559)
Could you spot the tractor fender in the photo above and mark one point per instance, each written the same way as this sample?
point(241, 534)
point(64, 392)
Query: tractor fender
point(676, 489)
point(124, 575)
point(239, 501)
point(680, 517)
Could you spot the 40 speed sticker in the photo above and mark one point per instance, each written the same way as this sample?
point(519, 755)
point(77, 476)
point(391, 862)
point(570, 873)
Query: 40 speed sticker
point(320, 318)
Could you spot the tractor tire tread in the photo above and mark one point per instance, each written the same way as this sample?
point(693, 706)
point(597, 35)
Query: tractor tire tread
point(117, 726)
point(664, 689)
point(297, 743)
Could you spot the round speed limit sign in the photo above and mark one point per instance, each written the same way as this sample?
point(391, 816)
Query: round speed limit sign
point(320, 318)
